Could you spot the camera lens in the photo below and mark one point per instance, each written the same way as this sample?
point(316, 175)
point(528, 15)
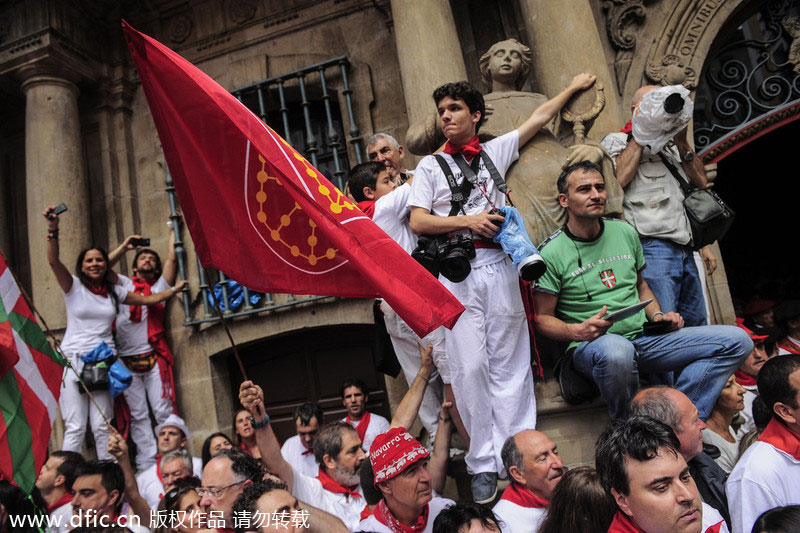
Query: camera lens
point(674, 103)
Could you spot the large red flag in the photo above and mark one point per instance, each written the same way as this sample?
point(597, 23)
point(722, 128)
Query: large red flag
point(258, 211)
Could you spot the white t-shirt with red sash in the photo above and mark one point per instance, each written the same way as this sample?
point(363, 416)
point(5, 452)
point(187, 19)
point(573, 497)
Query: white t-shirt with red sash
point(520, 510)
point(345, 503)
point(369, 427)
point(382, 520)
point(766, 476)
point(300, 457)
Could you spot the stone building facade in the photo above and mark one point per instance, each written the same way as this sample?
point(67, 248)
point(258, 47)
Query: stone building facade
point(75, 128)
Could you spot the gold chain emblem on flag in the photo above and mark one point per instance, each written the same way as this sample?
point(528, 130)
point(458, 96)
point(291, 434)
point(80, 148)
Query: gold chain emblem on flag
point(336, 206)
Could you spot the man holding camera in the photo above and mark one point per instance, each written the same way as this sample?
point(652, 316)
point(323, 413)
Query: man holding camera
point(488, 349)
point(142, 343)
point(653, 204)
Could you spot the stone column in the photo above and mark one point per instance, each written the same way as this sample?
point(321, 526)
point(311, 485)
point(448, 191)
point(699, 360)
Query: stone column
point(564, 42)
point(54, 173)
point(428, 51)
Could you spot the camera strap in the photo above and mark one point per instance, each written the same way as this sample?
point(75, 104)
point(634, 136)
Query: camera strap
point(686, 186)
point(470, 173)
point(459, 193)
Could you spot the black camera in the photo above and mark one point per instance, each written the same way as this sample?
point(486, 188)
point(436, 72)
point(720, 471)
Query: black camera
point(143, 241)
point(454, 257)
point(448, 257)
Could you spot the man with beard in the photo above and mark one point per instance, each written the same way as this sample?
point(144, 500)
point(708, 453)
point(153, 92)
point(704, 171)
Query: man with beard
point(142, 344)
point(640, 464)
point(400, 466)
point(338, 451)
point(535, 468)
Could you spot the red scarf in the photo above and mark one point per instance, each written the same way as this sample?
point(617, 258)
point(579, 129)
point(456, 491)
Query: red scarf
point(516, 493)
point(789, 346)
point(368, 207)
point(362, 426)
point(156, 336)
point(158, 473)
point(385, 517)
point(716, 528)
point(782, 438)
point(623, 524)
point(628, 127)
point(63, 500)
point(101, 290)
point(331, 485)
point(469, 150)
point(745, 380)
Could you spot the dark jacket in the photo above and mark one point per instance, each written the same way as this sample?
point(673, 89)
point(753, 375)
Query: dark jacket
point(710, 480)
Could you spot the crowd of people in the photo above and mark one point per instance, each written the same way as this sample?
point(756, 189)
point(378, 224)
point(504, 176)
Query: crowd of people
point(711, 444)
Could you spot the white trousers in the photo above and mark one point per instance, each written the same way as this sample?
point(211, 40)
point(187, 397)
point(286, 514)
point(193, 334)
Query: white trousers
point(405, 343)
point(146, 387)
point(490, 362)
point(76, 407)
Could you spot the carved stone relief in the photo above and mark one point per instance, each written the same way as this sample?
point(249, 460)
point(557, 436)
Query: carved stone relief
point(792, 26)
point(624, 19)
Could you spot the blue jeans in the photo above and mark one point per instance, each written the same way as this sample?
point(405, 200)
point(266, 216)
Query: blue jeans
point(703, 359)
point(672, 276)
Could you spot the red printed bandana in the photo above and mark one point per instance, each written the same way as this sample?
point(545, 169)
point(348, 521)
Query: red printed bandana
point(469, 150)
point(331, 485)
point(781, 438)
point(385, 517)
point(516, 493)
point(361, 427)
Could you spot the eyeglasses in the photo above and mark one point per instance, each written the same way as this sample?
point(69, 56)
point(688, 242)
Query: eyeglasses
point(214, 492)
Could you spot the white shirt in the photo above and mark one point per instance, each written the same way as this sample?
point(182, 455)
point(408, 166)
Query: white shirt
point(764, 478)
point(59, 518)
point(429, 189)
point(292, 451)
point(435, 506)
point(345, 507)
point(150, 486)
point(391, 215)
point(749, 424)
point(377, 425)
point(729, 451)
point(132, 336)
point(711, 518)
point(89, 318)
point(519, 519)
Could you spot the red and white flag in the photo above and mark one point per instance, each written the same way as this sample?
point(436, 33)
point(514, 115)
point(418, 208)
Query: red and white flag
point(29, 389)
point(259, 212)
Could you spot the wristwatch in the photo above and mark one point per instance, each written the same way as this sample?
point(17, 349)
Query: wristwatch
point(687, 156)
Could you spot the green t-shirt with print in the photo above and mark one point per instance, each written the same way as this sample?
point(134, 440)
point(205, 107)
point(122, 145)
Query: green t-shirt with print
point(605, 268)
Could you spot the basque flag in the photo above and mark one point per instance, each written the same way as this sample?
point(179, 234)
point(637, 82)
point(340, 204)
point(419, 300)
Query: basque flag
point(259, 212)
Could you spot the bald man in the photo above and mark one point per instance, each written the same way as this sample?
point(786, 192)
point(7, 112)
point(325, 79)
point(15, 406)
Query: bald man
point(653, 204)
point(535, 468)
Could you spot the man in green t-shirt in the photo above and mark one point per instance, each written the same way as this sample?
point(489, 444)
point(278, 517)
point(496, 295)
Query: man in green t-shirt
point(593, 267)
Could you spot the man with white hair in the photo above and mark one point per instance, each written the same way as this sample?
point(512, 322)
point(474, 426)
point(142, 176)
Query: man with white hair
point(385, 149)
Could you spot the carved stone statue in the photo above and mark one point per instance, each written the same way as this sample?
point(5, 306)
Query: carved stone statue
point(532, 179)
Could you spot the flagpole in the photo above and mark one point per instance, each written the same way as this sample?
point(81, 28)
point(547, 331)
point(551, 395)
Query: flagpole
point(29, 300)
point(225, 327)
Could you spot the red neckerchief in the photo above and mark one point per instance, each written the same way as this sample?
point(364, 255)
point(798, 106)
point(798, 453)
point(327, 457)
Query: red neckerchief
point(63, 500)
point(716, 528)
point(306, 451)
point(361, 428)
point(745, 380)
point(623, 524)
point(782, 438)
point(628, 127)
point(789, 346)
point(516, 493)
point(102, 290)
point(385, 517)
point(368, 207)
point(331, 485)
point(469, 150)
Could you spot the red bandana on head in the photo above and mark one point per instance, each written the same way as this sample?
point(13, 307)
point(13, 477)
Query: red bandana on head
point(469, 150)
point(516, 493)
point(782, 438)
point(361, 427)
point(394, 451)
point(385, 517)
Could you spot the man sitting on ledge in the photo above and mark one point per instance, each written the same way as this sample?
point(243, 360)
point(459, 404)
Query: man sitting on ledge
point(594, 266)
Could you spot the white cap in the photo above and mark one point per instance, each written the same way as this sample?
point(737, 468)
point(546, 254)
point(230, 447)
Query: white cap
point(176, 421)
